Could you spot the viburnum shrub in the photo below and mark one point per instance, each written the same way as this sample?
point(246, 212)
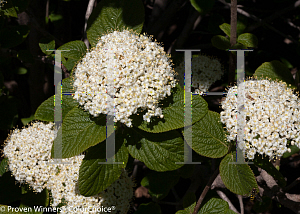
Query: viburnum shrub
point(70, 156)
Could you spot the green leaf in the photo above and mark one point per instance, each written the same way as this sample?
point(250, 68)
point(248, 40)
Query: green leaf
point(55, 17)
point(160, 183)
point(73, 50)
point(173, 111)
point(13, 7)
point(238, 46)
point(269, 168)
point(46, 45)
point(7, 8)
point(159, 152)
point(79, 132)
point(12, 36)
point(220, 42)
point(294, 150)
point(3, 166)
point(225, 28)
point(27, 120)
point(115, 14)
point(95, 177)
point(150, 208)
point(208, 136)
point(70, 63)
point(238, 178)
point(31, 198)
point(274, 70)
point(241, 24)
point(10, 192)
point(215, 206)
point(189, 199)
point(45, 111)
point(188, 210)
point(286, 62)
point(248, 39)
point(21, 70)
point(203, 6)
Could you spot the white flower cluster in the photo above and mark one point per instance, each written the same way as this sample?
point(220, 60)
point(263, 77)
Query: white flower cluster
point(28, 152)
point(272, 117)
point(123, 73)
point(120, 193)
point(29, 156)
point(205, 71)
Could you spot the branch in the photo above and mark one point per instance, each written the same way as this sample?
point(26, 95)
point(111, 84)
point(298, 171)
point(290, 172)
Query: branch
point(191, 23)
point(204, 192)
point(45, 59)
point(233, 26)
point(166, 17)
point(33, 23)
point(225, 198)
point(272, 190)
point(288, 21)
point(195, 181)
point(294, 183)
point(157, 9)
point(273, 16)
point(263, 22)
point(87, 15)
point(241, 203)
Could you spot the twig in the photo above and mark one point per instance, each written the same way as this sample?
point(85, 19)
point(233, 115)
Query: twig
point(191, 23)
point(47, 10)
point(195, 182)
point(169, 203)
point(87, 15)
point(34, 23)
point(137, 162)
point(166, 17)
point(204, 192)
point(175, 194)
point(44, 59)
point(274, 16)
point(225, 198)
point(291, 24)
point(157, 9)
point(134, 173)
point(263, 22)
point(272, 190)
point(294, 183)
point(233, 26)
point(241, 203)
